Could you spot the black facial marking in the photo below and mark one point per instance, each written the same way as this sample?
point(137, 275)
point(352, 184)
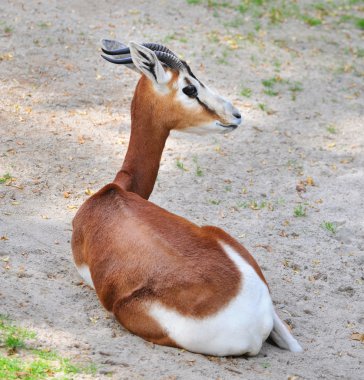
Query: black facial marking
point(190, 72)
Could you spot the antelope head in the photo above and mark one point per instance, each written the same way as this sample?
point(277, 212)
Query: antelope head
point(168, 90)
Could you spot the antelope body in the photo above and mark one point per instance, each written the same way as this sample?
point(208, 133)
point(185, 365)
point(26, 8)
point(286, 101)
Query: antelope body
point(164, 278)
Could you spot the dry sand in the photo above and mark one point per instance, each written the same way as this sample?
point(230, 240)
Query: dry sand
point(64, 130)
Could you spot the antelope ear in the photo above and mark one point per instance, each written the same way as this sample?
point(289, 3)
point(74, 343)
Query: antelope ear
point(147, 62)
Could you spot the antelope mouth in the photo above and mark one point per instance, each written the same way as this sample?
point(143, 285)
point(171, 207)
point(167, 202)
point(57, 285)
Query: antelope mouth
point(228, 127)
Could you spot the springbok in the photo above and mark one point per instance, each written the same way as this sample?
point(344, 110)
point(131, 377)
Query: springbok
point(166, 279)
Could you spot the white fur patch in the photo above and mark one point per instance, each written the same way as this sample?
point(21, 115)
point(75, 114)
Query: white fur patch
point(240, 327)
point(206, 129)
point(84, 272)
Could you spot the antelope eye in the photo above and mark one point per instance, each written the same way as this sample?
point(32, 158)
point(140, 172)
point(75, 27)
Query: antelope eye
point(190, 91)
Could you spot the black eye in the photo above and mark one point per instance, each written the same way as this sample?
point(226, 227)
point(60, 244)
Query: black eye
point(190, 91)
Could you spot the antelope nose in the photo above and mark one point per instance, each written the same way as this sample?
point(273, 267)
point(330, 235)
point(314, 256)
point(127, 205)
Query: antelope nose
point(237, 115)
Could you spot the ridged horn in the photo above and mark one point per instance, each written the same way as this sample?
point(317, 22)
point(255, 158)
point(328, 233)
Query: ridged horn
point(149, 45)
point(170, 60)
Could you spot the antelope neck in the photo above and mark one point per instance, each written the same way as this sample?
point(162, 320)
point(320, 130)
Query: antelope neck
point(141, 164)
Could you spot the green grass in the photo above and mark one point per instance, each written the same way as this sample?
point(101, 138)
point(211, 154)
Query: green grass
point(253, 204)
point(299, 211)
point(246, 5)
point(331, 129)
point(271, 92)
point(247, 92)
point(276, 15)
point(277, 65)
point(12, 368)
point(8, 30)
point(277, 12)
point(266, 109)
point(263, 107)
point(11, 336)
point(222, 60)
point(360, 23)
point(270, 82)
point(295, 87)
point(199, 171)
point(214, 202)
point(360, 53)
point(180, 165)
point(329, 226)
point(44, 25)
point(19, 359)
point(275, 82)
point(312, 21)
point(175, 37)
point(6, 177)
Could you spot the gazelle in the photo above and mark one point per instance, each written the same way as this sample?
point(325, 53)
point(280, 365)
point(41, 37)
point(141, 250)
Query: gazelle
point(166, 279)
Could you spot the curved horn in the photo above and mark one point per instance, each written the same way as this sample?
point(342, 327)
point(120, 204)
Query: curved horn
point(158, 47)
point(118, 61)
point(170, 60)
point(149, 45)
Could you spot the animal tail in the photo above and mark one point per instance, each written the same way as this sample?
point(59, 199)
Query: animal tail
point(282, 336)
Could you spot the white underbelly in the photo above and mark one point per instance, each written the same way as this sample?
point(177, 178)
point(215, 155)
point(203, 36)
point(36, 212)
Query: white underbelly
point(239, 328)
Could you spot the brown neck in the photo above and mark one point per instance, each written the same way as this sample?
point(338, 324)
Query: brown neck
point(147, 139)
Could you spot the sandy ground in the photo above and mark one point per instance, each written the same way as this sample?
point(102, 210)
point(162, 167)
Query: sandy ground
point(64, 132)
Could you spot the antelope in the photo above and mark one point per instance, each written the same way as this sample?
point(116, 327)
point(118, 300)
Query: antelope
point(164, 278)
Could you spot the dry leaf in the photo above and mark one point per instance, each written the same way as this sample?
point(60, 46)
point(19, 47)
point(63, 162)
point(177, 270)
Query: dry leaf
point(309, 181)
point(357, 336)
point(89, 192)
point(4, 237)
point(6, 57)
point(265, 246)
point(66, 194)
point(81, 140)
point(347, 160)
point(72, 207)
point(300, 187)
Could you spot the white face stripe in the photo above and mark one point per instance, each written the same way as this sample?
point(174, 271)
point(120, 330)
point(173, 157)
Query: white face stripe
point(241, 327)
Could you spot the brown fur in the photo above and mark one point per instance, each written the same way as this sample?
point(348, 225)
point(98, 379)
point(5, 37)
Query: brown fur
point(139, 253)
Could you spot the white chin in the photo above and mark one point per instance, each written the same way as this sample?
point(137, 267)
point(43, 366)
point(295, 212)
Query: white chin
point(207, 129)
